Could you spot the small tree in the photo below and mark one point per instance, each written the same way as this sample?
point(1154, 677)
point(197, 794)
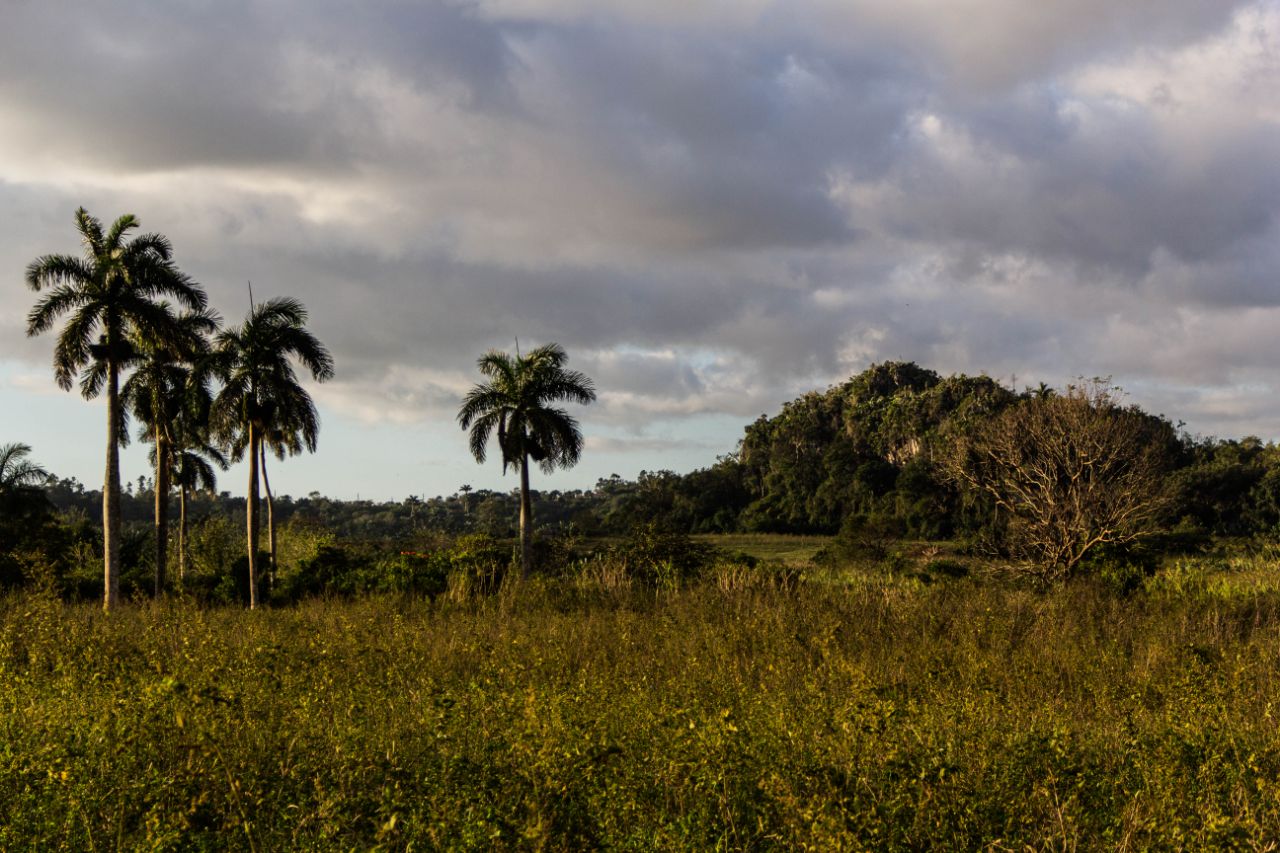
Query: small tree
point(1067, 473)
point(23, 507)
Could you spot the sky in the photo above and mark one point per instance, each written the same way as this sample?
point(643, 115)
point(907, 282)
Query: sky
point(713, 206)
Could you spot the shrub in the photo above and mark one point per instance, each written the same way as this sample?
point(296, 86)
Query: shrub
point(1122, 568)
point(947, 568)
point(478, 564)
point(658, 557)
point(864, 537)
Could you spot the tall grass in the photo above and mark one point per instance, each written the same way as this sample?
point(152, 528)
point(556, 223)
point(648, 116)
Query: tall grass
point(883, 714)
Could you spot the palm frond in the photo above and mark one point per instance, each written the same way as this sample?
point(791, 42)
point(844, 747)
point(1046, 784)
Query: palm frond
point(71, 352)
point(49, 270)
point(154, 245)
point(483, 427)
point(123, 225)
point(16, 471)
point(93, 379)
point(57, 302)
point(90, 230)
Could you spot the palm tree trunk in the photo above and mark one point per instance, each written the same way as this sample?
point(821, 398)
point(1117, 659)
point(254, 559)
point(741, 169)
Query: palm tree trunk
point(251, 512)
point(182, 535)
point(526, 520)
point(162, 509)
point(271, 522)
point(111, 486)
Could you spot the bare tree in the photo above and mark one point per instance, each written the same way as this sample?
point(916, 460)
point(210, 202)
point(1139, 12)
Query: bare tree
point(1068, 472)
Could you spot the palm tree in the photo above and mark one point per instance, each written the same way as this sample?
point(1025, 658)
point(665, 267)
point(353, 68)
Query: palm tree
point(22, 503)
point(514, 404)
point(20, 479)
point(193, 468)
point(111, 294)
point(168, 388)
point(261, 391)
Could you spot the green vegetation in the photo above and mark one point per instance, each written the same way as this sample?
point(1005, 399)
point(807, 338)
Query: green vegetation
point(767, 546)
point(515, 405)
point(909, 612)
point(113, 291)
point(873, 712)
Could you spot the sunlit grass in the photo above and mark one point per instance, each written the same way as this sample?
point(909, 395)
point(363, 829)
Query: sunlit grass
point(768, 546)
point(881, 713)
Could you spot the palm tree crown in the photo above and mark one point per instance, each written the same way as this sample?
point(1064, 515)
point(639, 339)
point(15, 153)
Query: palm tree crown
point(514, 404)
point(259, 381)
point(170, 375)
point(111, 293)
point(17, 473)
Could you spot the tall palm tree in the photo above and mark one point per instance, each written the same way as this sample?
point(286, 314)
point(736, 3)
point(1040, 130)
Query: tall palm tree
point(515, 404)
point(260, 386)
point(111, 293)
point(169, 386)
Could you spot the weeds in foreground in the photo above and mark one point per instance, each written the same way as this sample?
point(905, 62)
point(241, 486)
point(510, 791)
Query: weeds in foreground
point(885, 713)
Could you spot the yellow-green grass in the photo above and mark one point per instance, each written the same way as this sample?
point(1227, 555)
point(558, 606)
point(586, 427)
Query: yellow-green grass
point(884, 714)
point(768, 546)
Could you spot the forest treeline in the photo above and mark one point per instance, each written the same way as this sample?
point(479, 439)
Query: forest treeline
point(868, 456)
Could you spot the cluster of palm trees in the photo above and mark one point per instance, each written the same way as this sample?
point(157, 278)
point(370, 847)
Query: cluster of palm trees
point(141, 332)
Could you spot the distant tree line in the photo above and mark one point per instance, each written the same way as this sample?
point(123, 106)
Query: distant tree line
point(874, 449)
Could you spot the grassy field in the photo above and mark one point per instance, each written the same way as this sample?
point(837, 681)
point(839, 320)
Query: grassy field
point(878, 713)
point(768, 546)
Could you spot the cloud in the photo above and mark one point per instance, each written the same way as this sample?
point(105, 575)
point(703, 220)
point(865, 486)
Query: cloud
point(713, 206)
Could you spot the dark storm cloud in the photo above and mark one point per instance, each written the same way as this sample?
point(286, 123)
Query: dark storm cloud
point(712, 208)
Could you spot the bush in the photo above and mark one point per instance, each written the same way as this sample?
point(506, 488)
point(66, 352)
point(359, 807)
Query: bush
point(865, 537)
point(658, 557)
point(477, 565)
point(1122, 568)
point(947, 568)
point(411, 572)
point(473, 564)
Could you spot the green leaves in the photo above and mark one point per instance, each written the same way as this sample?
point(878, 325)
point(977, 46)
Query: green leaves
point(110, 293)
point(260, 386)
point(516, 405)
